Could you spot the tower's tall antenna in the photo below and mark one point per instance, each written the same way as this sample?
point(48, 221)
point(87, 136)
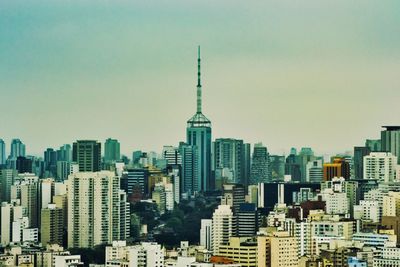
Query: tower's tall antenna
point(198, 82)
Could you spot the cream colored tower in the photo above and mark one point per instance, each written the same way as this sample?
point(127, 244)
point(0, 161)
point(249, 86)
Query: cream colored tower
point(93, 209)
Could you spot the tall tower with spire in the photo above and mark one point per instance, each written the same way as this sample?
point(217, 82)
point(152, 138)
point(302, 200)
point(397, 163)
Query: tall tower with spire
point(198, 134)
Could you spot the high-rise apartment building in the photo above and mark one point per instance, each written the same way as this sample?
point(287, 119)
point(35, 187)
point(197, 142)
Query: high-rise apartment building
point(158, 196)
point(52, 225)
point(278, 250)
point(94, 209)
point(233, 195)
point(6, 223)
point(206, 234)
point(26, 188)
point(380, 166)
point(46, 189)
point(390, 141)
point(124, 216)
point(198, 134)
point(13, 221)
point(111, 150)
point(340, 185)
point(7, 180)
point(172, 155)
point(87, 153)
point(391, 204)
point(260, 166)
point(222, 226)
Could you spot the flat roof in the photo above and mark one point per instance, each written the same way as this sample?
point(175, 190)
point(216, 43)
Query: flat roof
point(391, 128)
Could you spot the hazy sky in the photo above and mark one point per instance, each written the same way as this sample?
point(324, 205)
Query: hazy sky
point(324, 74)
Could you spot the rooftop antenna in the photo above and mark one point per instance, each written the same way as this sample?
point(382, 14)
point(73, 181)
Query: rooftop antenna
point(198, 81)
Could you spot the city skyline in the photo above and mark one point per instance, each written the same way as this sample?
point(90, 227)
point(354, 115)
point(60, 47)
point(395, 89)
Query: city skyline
point(270, 85)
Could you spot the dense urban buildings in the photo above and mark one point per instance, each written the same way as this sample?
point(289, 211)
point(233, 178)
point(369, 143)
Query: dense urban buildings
point(201, 202)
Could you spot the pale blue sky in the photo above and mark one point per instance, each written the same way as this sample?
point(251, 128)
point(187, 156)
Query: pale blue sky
point(324, 74)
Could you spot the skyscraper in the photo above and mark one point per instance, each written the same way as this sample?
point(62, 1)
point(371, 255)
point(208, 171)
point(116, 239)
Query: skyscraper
point(359, 153)
point(198, 133)
point(390, 140)
point(375, 145)
point(23, 164)
point(111, 150)
point(338, 168)
point(228, 153)
point(50, 162)
point(189, 168)
point(17, 149)
point(94, 209)
point(260, 167)
point(305, 155)
point(2, 152)
point(277, 164)
point(7, 180)
point(246, 164)
point(87, 153)
point(65, 153)
point(292, 166)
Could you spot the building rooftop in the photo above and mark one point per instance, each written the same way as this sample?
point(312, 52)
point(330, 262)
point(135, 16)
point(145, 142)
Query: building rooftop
point(392, 128)
point(198, 120)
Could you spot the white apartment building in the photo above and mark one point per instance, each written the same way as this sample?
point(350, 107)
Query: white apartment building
point(67, 260)
point(380, 166)
point(169, 197)
point(390, 256)
point(94, 209)
point(391, 204)
point(206, 234)
point(376, 240)
point(222, 226)
point(336, 202)
point(368, 210)
point(144, 255)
